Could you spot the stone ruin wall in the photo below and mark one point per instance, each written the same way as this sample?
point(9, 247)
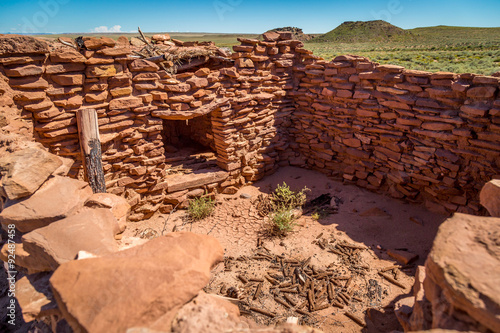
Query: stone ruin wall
point(412, 134)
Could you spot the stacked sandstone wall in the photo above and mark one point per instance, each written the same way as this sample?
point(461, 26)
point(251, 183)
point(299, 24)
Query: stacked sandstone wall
point(245, 109)
point(415, 135)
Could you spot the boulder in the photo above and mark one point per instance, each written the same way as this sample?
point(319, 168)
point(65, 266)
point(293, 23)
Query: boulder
point(403, 257)
point(23, 258)
point(403, 310)
point(67, 55)
point(59, 197)
point(118, 206)
point(271, 36)
point(123, 41)
point(463, 274)
point(91, 230)
point(35, 297)
point(139, 65)
point(490, 197)
point(143, 286)
point(26, 170)
point(208, 313)
point(161, 37)
point(22, 45)
point(414, 313)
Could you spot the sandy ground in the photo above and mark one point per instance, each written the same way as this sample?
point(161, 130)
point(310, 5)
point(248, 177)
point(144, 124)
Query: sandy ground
point(369, 220)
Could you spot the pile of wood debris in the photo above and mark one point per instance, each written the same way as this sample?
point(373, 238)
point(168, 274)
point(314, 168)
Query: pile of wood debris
point(270, 287)
point(172, 55)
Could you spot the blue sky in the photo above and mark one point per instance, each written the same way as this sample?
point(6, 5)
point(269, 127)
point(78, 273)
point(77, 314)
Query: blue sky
point(238, 16)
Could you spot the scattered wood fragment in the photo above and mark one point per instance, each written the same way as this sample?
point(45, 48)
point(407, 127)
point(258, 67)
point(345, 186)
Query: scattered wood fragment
point(289, 300)
point(337, 304)
point(262, 311)
point(354, 318)
point(257, 291)
point(282, 302)
point(242, 279)
point(320, 307)
point(392, 280)
point(302, 312)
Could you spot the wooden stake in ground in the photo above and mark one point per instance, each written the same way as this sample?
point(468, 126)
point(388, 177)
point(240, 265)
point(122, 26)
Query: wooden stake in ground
point(90, 144)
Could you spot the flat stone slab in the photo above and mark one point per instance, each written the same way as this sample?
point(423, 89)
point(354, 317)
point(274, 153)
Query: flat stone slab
point(196, 179)
point(192, 113)
point(463, 268)
point(35, 296)
point(143, 286)
point(58, 198)
point(490, 197)
point(91, 230)
point(26, 170)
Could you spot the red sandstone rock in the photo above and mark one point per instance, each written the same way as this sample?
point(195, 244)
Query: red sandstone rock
point(103, 70)
point(232, 72)
point(478, 110)
point(22, 45)
point(99, 60)
point(244, 63)
point(66, 55)
point(125, 103)
point(207, 313)
point(38, 106)
point(122, 41)
point(484, 92)
point(23, 259)
point(91, 230)
point(271, 36)
point(26, 70)
point(159, 277)
point(197, 82)
point(95, 98)
point(70, 103)
point(26, 170)
point(490, 197)
point(96, 43)
point(181, 98)
point(117, 205)
point(462, 274)
point(64, 68)
point(202, 72)
point(68, 79)
point(115, 52)
point(35, 297)
point(30, 82)
point(181, 87)
point(403, 257)
point(161, 37)
point(143, 65)
point(66, 196)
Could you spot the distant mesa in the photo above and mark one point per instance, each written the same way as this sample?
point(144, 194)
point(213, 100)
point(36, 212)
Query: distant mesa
point(297, 33)
point(364, 31)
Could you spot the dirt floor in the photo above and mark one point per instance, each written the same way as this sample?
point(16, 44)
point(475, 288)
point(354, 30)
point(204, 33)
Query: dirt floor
point(341, 253)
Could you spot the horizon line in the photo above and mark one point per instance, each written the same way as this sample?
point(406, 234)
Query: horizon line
point(218, 32)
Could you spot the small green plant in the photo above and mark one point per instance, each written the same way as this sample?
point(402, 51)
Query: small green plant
point(283, 202)
point(201, 207)
point(315, 216)
point(283, 221)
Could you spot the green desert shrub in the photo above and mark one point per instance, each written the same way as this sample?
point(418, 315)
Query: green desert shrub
point(201, 207)
point(283, 202)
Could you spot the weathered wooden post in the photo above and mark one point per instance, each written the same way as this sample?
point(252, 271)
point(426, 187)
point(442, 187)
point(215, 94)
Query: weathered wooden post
point(90, 144)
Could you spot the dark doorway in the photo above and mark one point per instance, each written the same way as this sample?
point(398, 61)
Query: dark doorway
point(189, 144)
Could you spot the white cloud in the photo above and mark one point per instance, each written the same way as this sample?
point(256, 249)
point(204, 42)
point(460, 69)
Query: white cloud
point(103, 28)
